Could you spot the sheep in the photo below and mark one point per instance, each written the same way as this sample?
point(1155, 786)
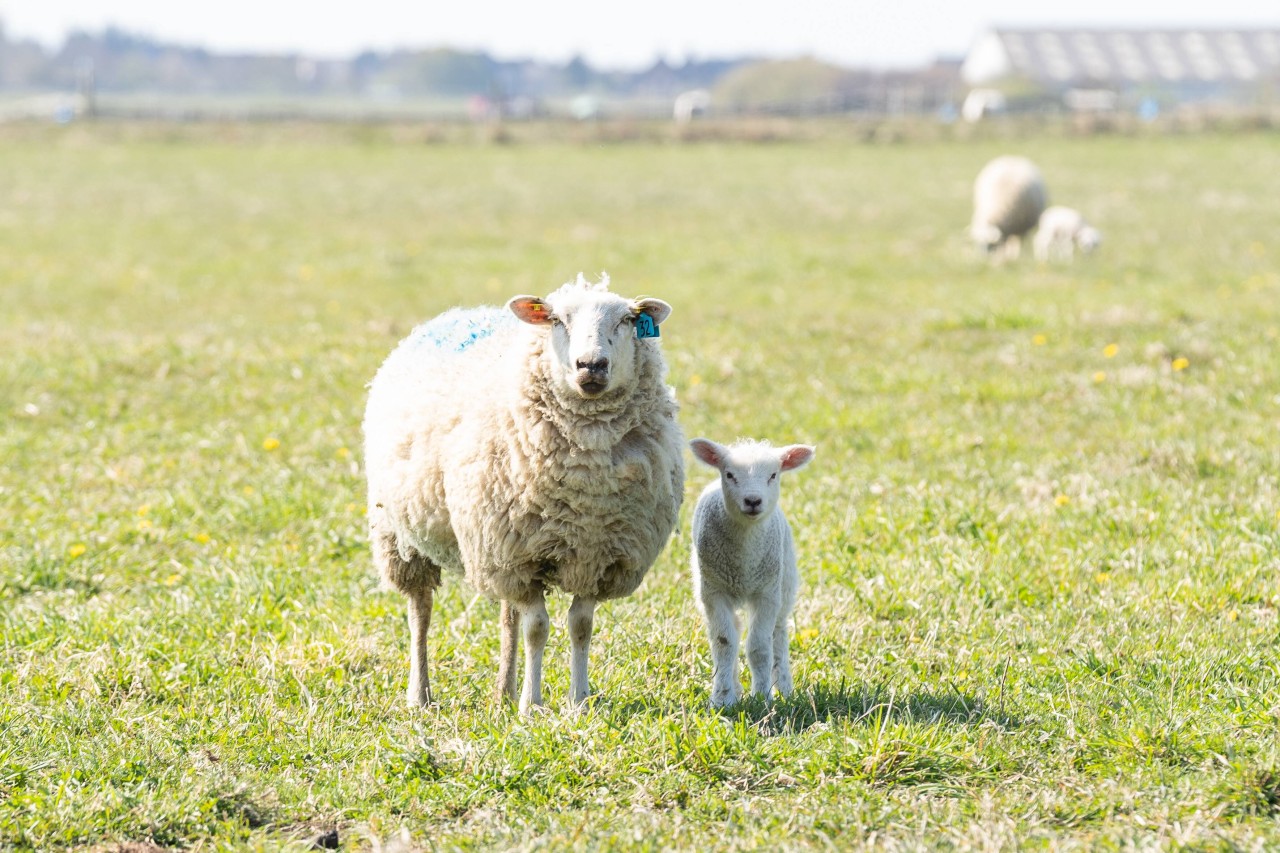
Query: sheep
point(743, 554)
point(1063, 230)
point(1008, 198)
point(528, 448)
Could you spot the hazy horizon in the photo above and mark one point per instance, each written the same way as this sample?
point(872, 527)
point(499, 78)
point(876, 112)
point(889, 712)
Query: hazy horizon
point(910, 33)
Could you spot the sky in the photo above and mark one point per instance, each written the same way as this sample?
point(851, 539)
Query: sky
point(612, 35)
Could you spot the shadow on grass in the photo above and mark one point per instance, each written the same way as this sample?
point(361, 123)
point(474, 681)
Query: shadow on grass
point(825, 704)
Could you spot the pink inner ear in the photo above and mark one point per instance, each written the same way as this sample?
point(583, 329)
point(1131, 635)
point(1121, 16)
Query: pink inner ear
point(795, 456)
point(531, 311)
point(707, 453)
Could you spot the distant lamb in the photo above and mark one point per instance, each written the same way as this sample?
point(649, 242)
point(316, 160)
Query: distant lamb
point(743, 555)
point(529, 448)
point(1008, 197)
point(1062, 231)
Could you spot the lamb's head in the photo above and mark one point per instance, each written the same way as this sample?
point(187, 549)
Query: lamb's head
point(1088, 238)
point(750, 472)
point(594, 334)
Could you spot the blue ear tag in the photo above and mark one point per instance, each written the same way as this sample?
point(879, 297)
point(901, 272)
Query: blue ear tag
point(645, 327)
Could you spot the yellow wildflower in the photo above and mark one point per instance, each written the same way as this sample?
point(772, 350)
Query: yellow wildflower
point(1102, 577)
point(1110, 350)
point(1180, 363)
point(172, 579)
point(76, 550)
point(1039, 341)
point(1061, 500)
point(1100, 376)
point(202, 538)
point(342, 453)
point(270, 443)
point(1233, 615)
point(143, 510)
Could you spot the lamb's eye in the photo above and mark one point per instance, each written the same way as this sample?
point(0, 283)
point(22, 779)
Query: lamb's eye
point(773, 476)
point(729, 476)
point(556, 321)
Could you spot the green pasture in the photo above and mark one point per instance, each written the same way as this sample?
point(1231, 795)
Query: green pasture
point(1039, 544)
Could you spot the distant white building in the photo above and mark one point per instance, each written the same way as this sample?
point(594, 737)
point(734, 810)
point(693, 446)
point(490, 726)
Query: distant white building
point(1193, 64)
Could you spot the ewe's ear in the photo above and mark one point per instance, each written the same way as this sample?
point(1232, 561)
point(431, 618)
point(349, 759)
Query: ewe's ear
point(708, 452)
point(530, 309)
point(657, 310)
point(795, 456)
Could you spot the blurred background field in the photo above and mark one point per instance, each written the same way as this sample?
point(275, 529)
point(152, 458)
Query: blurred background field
point(1038, 544)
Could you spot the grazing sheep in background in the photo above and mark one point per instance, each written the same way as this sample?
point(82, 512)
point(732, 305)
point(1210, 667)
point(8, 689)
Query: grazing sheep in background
point(531, 448)
point(1062, 231)
point(1008, 197)
point(743, 554)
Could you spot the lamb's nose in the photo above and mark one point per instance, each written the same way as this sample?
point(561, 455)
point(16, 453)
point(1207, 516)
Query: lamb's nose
point(600, 365)
point(752, 504)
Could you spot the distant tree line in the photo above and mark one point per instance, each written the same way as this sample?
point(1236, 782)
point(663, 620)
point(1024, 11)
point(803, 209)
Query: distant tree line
point(122, 62)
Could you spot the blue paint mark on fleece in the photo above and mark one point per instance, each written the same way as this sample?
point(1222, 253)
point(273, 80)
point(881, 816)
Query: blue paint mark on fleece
point(460, 328)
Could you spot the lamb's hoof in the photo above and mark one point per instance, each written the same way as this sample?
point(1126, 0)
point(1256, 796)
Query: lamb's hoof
point(586, 703)
point(725, 699)
point(528, 710)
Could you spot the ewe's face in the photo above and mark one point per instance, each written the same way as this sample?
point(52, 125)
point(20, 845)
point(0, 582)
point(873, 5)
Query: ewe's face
point(593, 336)
point(985, 235)
point(751, 473)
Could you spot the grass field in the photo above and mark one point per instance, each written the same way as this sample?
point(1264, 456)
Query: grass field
point(1039, 543)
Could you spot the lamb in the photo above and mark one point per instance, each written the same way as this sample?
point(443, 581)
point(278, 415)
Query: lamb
point(743, 554)
point(1008, 197)
point(1062, 231)
point(528, 448)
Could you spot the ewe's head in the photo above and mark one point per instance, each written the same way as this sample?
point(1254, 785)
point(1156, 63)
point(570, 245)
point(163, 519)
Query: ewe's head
point(986, 235)
point(593, 334)
point(750, 472)
point(1088, 239)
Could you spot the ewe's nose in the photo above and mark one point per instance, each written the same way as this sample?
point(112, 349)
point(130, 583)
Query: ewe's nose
point(599, 365)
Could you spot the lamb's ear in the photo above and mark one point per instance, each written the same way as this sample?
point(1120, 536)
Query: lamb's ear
point(795, 456)
point(657, 310)
point(530, 309)
point(708, 452)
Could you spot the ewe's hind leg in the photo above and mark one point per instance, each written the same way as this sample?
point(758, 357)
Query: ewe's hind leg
point(420, 602)
point(722, 631)
point(417, 578)
point(509, 647)
point(581, 620)
point(535, 625)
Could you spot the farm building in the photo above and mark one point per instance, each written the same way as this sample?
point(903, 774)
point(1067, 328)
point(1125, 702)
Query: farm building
point(1092, 69)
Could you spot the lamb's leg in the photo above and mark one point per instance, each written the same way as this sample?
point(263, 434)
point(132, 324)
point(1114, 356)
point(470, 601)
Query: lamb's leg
point(420, 603)
point(760, 631)
point(722, 631)
point(782, 656)
point(508, 648)
point(581, 618)
point(535, 625)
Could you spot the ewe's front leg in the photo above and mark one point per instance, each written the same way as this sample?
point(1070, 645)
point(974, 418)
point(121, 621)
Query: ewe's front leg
point(508, 649)
point(722, 631)
point(420, 603)
point(581, 620)
point(760, 640)
point(535, 625)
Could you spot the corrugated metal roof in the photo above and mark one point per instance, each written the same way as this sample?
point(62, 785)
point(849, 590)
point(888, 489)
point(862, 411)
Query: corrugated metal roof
point(1140, 56)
